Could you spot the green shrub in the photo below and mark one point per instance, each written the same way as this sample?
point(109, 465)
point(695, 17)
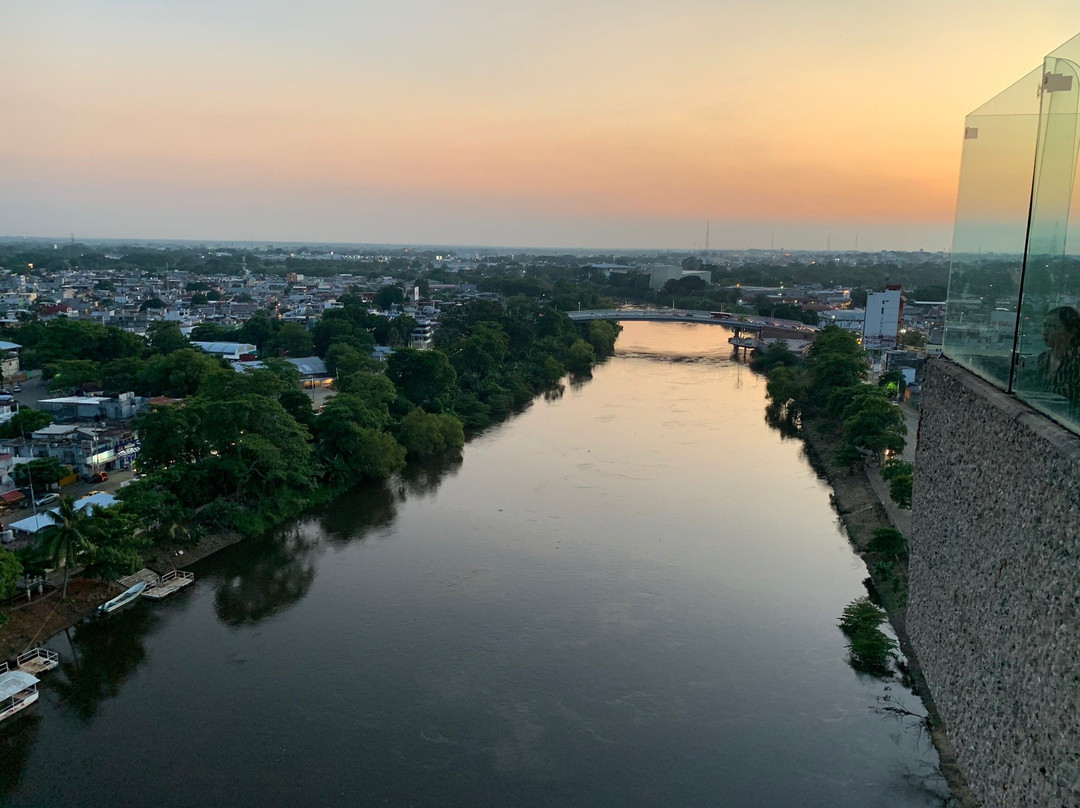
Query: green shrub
point(871, 650)
point(888, 540)
point(861, 614)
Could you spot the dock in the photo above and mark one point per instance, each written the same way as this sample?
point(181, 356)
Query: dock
point(168, 584)
point(36, 661)
point(148, 577)
point(159, 587)
point(33, 662)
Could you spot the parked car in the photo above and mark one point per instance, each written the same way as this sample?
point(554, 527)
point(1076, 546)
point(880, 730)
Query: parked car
point(48, 499)
point(16, 388)
point(100, 477)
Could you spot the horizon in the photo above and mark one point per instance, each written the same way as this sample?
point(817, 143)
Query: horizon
point(267, 244)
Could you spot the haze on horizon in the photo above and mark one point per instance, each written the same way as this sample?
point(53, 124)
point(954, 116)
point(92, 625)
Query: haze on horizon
point(568, 123)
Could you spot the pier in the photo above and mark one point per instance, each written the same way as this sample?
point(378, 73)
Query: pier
point(159, 587)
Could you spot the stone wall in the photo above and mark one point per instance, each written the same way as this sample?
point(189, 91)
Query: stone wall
point(994, 604)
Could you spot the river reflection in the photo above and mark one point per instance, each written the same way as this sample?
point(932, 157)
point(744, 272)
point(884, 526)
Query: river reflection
point(625, 596)
point(263, 576)
point(17, 736)
point(102, 653)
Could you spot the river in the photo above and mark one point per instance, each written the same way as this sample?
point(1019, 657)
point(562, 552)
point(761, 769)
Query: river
point(625, 596)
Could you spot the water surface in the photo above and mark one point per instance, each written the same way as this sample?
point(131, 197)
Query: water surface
point(625, 596)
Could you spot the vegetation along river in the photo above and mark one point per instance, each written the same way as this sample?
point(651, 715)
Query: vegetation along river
point(624, 596)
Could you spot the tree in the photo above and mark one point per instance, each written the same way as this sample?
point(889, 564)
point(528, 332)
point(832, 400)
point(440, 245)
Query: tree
point(374, 389)
point(25, 422)
point(888, 540)
point(776, 354)
point(181, 373)
point(871, 649)
point(900, 489)
point(787, 392)
point(894, 383)
point(68, 536)
point(152, 303)
point(10, 570)
point(426, 435)
point(874, 423)
point(212, 332)
point(849, 457)
point(602, 336)
point(425, 378)
point(295, 340)
point(74, 374)
point(117, 541)
point(40, 471)
point(580, 357)
point(166, 337)
point(388, 296)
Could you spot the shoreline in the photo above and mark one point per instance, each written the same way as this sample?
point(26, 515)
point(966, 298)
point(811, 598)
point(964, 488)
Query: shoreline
point(861, 511)
point(34, 623)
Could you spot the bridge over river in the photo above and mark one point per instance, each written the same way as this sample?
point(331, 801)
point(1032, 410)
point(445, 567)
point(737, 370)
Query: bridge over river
point(761, 326)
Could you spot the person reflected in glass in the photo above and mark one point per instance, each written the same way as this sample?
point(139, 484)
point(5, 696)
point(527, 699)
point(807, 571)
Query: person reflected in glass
point(1059, 365)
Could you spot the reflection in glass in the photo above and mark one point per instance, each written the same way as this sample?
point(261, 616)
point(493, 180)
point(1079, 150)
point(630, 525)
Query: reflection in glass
point(1014, 285)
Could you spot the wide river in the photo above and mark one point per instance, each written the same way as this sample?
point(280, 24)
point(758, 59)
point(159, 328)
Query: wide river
point(625, 596)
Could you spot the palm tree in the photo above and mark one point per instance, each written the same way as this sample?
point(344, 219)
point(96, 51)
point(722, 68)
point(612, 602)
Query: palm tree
point(67, 537)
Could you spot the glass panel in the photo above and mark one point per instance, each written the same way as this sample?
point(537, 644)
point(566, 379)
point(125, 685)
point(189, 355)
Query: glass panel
point(991, 227)
point(1048, 350)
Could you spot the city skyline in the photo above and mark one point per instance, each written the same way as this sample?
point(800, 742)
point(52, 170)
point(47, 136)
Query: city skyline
point(576, 125)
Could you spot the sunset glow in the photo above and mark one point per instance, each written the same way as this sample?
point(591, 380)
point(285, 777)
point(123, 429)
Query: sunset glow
point(571, 124)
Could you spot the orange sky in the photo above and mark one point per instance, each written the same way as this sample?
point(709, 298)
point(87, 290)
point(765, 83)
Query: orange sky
point(586, 123)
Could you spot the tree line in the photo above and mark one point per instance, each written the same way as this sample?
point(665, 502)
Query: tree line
point(244, 451)
point(831, 384)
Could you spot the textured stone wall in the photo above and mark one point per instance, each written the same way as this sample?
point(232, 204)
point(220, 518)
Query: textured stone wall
point(994, 606)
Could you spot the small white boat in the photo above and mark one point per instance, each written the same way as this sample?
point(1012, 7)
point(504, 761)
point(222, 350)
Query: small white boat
point(17, 690)
point(123, 599)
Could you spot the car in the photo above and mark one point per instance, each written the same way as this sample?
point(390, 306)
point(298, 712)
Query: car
point(100, 477)
point(16, 388)
point(48, 499)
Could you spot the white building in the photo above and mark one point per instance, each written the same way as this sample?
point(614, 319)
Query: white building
point(234, 351)
point(847, 319)
point(882, 324)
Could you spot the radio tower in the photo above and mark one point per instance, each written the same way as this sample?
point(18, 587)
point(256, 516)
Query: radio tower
point(707, 223)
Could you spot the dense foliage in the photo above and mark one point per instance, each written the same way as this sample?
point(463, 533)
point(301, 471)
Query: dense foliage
point(245, 450)
point(831, 384)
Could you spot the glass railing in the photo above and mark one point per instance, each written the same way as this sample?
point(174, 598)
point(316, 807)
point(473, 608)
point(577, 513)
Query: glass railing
point(1013, 314)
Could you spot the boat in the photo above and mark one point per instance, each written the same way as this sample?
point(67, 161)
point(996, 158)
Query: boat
point(17, 690)
point(123, 599)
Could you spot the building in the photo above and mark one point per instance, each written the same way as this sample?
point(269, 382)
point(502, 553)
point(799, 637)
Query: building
point(92, 408)
point(235, 351)
point(31, 525)
point(881, 326)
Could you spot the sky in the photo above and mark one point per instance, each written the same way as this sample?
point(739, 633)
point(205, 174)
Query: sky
point(562, 123)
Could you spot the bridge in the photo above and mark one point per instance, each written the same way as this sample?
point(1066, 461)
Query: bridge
point(792, 329)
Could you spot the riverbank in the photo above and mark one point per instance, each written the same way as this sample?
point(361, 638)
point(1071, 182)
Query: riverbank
point(33, 623)
point(862, 511)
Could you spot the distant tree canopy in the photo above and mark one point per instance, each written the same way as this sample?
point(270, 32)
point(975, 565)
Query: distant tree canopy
point(389, 296)
point(24, 422)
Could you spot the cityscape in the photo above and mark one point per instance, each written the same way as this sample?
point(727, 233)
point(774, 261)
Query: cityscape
point(516, 405)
